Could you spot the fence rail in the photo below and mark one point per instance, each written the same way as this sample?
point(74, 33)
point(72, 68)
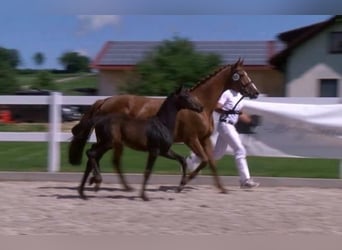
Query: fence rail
point(54, 135)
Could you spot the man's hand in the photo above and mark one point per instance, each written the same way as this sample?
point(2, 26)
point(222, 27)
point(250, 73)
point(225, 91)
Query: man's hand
point(255, 120)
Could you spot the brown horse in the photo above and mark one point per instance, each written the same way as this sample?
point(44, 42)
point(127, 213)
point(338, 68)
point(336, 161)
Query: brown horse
point(154, 135)
point(194, 129)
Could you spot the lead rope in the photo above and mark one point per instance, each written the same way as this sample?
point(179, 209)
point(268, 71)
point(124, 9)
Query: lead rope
point(224, 116)
point(233, 110)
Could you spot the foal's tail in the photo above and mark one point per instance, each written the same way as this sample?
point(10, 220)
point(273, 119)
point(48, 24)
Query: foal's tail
point(81, 133)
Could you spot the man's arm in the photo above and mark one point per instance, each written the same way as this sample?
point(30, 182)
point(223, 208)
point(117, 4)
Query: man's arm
point(219, 109)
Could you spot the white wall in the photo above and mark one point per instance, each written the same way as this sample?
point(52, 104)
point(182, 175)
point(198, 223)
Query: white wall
point(107, 83)
point(310, 62)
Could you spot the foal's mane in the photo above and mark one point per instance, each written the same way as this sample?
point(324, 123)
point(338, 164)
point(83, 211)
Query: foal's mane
point(209, 76)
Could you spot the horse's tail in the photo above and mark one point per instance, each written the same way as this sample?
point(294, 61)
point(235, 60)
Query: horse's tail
point(81, 133)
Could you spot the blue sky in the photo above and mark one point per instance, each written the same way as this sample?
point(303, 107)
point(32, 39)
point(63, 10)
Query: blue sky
point(54, 34)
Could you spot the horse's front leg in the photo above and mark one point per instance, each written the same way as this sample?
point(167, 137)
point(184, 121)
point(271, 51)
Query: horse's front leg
point(204, 151)
point(195, 145)
point(152, 156)
point(208, 148)
point(170, 154)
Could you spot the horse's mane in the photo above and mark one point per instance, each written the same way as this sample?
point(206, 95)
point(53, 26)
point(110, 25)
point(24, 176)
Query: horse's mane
point(207, 77)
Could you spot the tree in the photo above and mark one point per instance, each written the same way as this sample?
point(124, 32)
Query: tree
point(172, 63)
point(44, 80)
point(8, 83)
point(39, 58)
point(74, 62)
point(10, 56)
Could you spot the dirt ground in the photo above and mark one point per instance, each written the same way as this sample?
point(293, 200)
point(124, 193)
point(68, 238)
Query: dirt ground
point(46, 208)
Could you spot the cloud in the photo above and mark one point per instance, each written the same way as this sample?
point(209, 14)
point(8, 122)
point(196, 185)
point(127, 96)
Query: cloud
point(89, 23)
point(82, 52)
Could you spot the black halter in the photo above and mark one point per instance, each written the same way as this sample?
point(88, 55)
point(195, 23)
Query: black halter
point(224, 115)
point(233, 111)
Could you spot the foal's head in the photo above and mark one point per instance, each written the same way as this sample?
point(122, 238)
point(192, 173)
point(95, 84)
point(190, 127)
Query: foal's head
point(241, 81)
point(184, 100)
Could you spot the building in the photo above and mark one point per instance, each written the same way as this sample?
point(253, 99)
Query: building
point(117, 59)
point(311, 61)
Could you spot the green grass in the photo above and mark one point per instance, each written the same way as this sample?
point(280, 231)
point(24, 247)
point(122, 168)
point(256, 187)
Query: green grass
point(23, 127)
point(27, 156)
point(83, 81)
point(89, 81)
point(25, 80)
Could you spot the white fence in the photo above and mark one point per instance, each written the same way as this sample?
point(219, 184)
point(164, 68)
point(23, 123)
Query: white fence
point(54, 135)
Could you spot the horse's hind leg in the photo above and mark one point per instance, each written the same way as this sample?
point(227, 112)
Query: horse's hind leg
point(94, 154)
point(152, 156)
point(84, 179)
point(174, 156)
point(97, 178)
point(118, 149)
point(91, 165)
point(93, 159)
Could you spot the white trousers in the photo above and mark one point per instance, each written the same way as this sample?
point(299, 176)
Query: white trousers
point(227, 135)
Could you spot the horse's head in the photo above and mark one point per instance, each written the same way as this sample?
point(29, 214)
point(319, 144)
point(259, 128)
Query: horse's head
point(241, 82)
point(184, 100)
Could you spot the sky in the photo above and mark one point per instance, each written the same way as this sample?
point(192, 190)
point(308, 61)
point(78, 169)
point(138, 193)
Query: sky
point(56, 33)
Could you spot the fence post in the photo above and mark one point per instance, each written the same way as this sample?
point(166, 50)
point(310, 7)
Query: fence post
point(54, 131)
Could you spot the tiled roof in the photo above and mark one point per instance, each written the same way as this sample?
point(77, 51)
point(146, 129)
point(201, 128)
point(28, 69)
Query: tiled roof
point(296, 37)
point(124, 53)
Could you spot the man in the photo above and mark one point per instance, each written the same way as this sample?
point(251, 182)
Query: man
point(229, 107)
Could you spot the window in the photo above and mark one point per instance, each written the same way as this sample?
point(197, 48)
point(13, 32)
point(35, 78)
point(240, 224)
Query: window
point(336, 42)
point(328, 88)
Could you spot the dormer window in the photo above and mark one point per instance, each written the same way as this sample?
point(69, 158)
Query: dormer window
point(336, 42)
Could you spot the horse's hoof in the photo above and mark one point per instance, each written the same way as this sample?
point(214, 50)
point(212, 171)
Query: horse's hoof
point(97, 179)
point(224, 191)
point(97, 187)
point(129, 189)
point(81, 194)
point(144, 198)
point(83, 197)
point(179, 189)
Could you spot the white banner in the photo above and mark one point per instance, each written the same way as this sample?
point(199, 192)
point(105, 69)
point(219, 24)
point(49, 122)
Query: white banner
point(292, 130)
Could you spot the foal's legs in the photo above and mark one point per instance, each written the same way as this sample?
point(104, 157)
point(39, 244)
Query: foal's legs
point(94, 154)
point(170, 154)
point(97, 178)
point(118, 149)
point(152, 156)
point(84, 179)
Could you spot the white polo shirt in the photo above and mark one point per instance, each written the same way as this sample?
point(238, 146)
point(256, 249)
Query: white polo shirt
point(228, 100)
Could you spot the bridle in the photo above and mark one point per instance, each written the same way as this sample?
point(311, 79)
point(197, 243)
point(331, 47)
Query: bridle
point(243, 88)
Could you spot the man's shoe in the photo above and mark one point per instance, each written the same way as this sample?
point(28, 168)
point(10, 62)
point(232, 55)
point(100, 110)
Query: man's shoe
point(249, 184)
point(190, 166)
